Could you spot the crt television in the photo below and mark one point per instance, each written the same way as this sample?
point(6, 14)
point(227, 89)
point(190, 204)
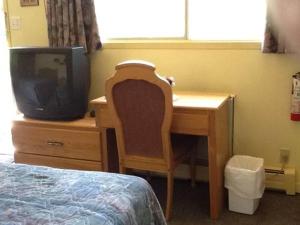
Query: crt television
point(50, 83)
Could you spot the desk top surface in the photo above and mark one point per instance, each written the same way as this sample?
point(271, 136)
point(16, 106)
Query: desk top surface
point(196, 100)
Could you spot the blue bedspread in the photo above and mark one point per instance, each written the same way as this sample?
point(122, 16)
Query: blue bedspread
point(32, 195)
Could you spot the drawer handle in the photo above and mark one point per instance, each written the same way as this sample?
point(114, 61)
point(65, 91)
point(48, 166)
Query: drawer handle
point(55, 143)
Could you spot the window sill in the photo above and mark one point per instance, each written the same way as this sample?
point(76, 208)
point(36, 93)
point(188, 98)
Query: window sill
point(181, 44)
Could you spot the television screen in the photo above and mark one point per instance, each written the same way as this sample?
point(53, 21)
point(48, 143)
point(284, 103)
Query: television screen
point(50, 83)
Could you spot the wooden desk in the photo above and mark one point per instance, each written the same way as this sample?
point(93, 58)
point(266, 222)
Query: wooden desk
point(196, 114)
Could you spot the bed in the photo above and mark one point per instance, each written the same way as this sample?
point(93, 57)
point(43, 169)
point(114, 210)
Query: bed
point(43, 195)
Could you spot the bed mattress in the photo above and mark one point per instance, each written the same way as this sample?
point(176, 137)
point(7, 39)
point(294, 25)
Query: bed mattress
point(43, 195)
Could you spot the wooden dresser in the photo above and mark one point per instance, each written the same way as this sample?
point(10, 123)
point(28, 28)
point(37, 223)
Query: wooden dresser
point(68, 144)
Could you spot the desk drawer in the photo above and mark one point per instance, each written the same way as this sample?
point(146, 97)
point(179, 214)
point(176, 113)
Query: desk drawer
point(190, 123)
point(75, 144)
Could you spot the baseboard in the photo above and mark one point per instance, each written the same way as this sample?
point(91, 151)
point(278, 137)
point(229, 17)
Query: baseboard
point(183, 172)
point(285, 181)
point(282, 181)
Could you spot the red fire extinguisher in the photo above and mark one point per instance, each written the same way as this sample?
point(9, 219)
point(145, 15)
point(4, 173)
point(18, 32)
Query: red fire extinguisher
point(295, 109)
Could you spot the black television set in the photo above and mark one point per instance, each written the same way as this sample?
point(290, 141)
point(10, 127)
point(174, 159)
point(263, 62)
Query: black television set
point(50, 83)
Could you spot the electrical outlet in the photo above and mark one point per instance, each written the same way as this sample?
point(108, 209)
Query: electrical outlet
point(284, 155)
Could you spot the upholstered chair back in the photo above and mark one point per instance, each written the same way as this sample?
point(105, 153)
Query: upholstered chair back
point(141, 107)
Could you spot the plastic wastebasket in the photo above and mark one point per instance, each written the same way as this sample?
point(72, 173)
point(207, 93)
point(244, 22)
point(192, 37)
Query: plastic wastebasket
point(245, 181)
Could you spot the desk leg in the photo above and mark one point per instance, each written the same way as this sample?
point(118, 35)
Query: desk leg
point(218, 153)
point(214, 189)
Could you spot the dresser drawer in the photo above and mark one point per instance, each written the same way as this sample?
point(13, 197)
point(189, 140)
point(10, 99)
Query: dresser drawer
point(63, 163)
point(76, 144)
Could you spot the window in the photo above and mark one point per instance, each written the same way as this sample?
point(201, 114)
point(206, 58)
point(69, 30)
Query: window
point(235, 20)
point(141, 18)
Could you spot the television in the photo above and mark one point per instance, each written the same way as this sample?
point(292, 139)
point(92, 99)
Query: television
point(50, 83)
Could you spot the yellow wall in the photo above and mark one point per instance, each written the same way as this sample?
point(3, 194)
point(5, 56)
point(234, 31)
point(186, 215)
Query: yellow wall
point(262, 83)
point(33, 30)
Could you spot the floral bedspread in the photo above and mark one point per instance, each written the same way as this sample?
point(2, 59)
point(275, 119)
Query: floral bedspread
point(31, 195)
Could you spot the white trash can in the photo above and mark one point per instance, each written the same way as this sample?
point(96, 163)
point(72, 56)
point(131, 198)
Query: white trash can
point(245, 181)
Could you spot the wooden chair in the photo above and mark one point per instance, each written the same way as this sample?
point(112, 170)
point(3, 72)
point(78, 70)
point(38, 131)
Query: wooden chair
point(141, 107)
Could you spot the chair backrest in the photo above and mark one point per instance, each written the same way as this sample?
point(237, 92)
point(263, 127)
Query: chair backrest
point(141, 106)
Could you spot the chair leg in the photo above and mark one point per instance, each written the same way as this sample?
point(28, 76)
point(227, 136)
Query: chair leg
point(170, 188)
point(193, 169)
